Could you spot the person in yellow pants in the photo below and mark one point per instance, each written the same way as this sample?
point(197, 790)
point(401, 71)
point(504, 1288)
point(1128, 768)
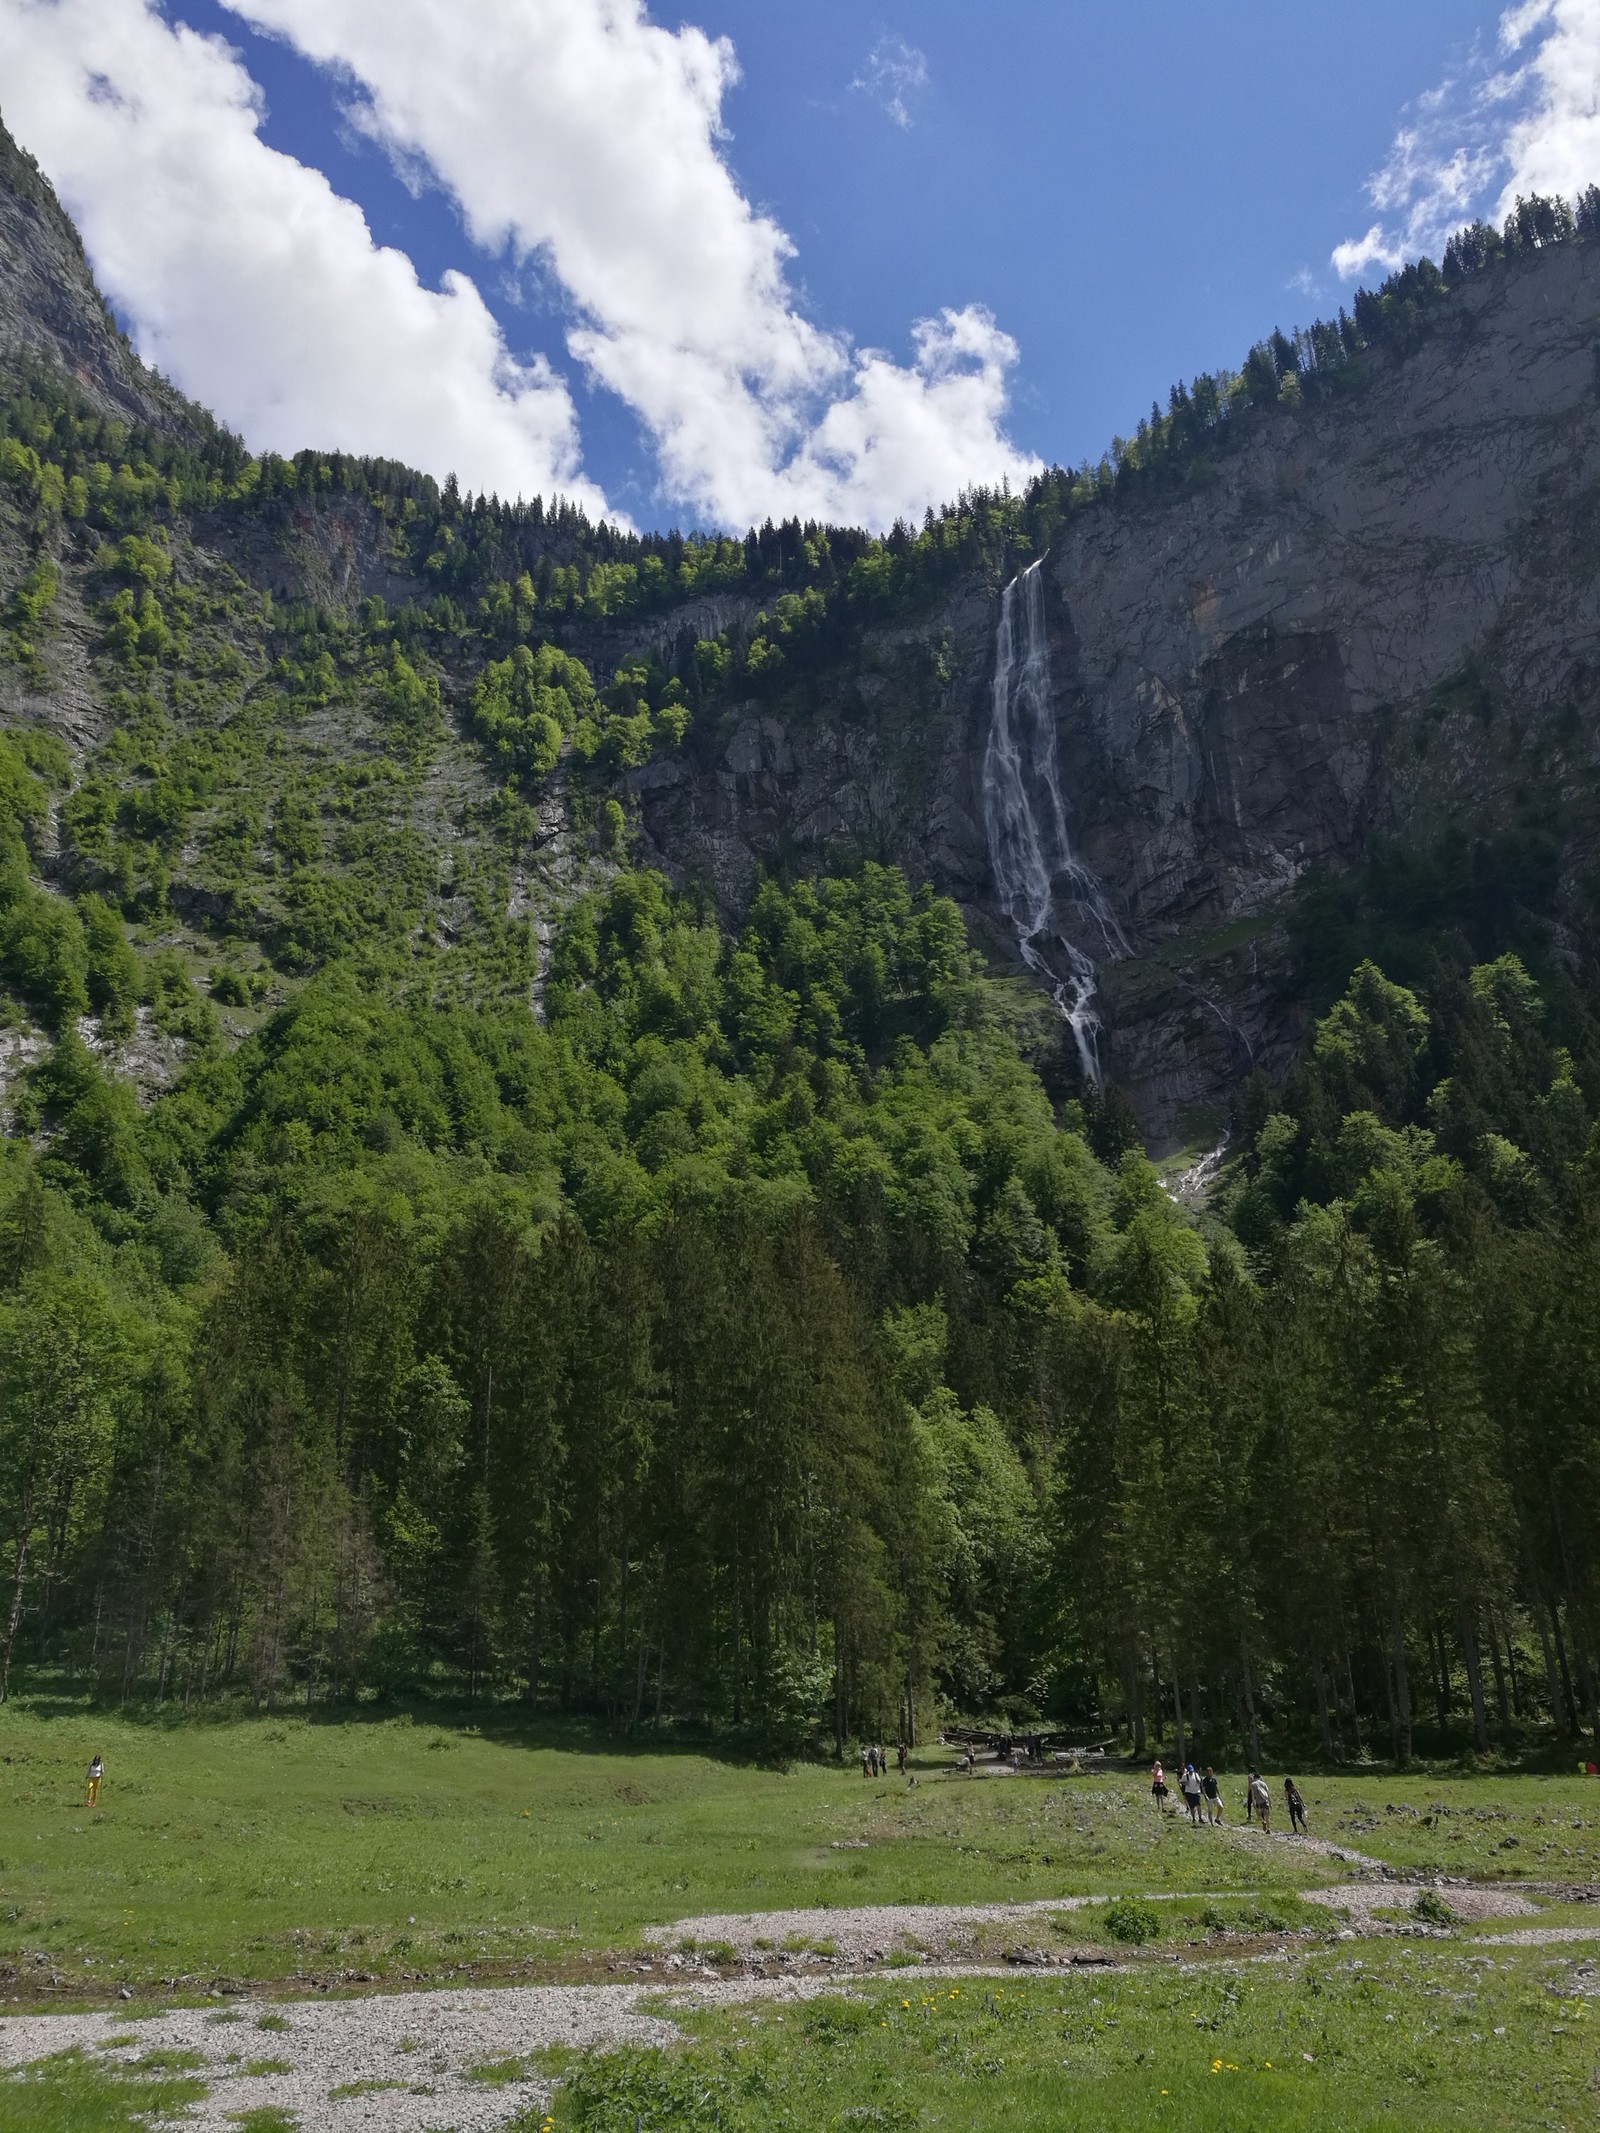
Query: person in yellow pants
point(97, 1771)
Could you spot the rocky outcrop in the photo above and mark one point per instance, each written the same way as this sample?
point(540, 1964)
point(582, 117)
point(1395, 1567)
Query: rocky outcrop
point(52, 313)
point(1374, 614)
point(1323, 638)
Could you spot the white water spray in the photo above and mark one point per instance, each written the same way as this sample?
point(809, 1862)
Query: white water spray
point(1037, 878)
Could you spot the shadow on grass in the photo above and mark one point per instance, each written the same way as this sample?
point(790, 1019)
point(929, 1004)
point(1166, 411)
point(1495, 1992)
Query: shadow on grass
point(54, 1696)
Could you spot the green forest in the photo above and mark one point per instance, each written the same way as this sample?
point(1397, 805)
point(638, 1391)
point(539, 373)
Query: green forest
point(745, 1329)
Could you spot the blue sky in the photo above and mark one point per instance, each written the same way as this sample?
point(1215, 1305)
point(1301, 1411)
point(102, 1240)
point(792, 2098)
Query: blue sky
point(1126, 194)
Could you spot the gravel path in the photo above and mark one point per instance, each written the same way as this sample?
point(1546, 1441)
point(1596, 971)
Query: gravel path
point(1536, 1936)
point(403, 2061)
point(1471, 1906)
point(870, 1932)
point(1323, 1847)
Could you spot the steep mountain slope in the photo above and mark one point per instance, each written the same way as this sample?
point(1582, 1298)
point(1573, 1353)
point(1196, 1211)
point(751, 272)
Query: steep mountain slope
point(437, 1251)
point(1378, 615)
point(51, 312)
point(1369, 613)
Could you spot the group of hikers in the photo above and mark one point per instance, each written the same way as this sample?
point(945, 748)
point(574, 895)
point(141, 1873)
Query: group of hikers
point(1202, 1796)
point(875, 1763)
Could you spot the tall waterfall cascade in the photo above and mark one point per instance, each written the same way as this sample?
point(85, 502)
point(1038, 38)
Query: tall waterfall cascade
point(1052, 900)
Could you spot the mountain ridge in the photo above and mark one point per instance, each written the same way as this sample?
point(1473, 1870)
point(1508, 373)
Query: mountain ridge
point(1253, 668)
point(514, 1179)
point(51, 308)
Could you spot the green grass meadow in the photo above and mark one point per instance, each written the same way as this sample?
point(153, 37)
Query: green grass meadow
point(262, 1849)
point(1391, 2035)
point(416, 1848)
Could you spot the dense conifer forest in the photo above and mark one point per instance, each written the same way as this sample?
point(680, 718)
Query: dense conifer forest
point(722, 1327)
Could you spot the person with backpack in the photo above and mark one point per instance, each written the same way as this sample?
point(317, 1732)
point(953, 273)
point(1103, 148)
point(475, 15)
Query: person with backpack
point(1189, 1786)
point(1257, 1796)
point(1297, 1808)
point(1213, 1796)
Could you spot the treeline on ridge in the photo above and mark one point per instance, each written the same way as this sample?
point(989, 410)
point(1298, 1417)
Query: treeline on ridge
point(494, 566)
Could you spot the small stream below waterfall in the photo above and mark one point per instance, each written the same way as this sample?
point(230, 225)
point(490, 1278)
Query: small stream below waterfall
point(1051, 899)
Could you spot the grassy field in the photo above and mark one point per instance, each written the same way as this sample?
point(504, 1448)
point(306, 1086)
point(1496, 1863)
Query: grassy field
point(70, 2093)
point(276, 1851)
point(1393, 2035)
point(270, 1849)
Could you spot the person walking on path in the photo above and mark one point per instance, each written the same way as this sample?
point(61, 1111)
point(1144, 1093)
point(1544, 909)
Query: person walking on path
point(1258, 1797)
point(902, 1753)
point(97, 1771)
point(1213, 1796)
point(1296, 1806)
point(1158, 1785)
point(1189, 1786)
point(865, 1753)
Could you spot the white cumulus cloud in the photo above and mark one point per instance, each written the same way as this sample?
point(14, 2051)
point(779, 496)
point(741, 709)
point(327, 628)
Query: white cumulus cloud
point(583, 144)
point(1520, 119)
point(581, 135)
point(247, 278)
point(1554, 146)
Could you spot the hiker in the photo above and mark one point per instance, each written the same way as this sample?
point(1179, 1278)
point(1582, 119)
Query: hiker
point(1258, 1797)
point(1296, 1806)
point(1189, 1786)
point(866, 1754)
point(1213, 1796)
point(1158, 1785)
point(902, 1753)
point(97, 1771)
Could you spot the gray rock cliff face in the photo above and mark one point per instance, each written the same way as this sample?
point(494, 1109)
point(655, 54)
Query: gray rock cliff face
point(1377, 614)
point(51, 311)
point(1251, 678)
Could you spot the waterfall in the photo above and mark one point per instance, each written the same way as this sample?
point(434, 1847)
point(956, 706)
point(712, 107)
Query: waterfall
point(1039, 882)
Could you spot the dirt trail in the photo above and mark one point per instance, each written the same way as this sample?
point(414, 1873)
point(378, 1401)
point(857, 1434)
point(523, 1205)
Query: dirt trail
point(1360, 1899)
point(403, 2062)
point(1536, 1936)
point(863, 1933)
